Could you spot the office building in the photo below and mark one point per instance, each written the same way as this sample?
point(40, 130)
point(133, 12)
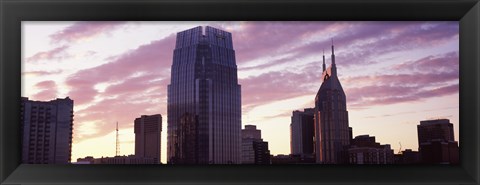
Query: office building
point(332, 132)
point(148, 129)
point(46, 129)
point(251, 131)
point(254, 149)
point(204, 84)
point(302, 132)
point(436, 142)
point(365, 150)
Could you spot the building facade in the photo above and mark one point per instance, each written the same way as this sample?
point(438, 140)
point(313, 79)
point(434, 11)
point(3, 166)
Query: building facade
point(332, 132)
point(364, 150)
point(148, 129)
point(302, 132)
point(436, 142)
point(47, 129)
point(254, 149)
point(204, 83)
point(186, 145)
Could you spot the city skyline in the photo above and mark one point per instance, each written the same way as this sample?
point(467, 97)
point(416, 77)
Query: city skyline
point(426, 58)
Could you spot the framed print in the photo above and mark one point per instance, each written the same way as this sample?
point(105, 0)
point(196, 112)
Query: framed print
point(239, 92)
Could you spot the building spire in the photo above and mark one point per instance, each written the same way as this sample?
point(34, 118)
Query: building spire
point(334, 68)
point(117, 151)
point(324, 67)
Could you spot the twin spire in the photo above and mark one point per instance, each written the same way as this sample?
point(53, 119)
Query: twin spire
point(334, 68)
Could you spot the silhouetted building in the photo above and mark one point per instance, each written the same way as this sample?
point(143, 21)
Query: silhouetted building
point(436, 142)
point(407, 157)
point(332, 133)
point(131, 159)
point(86, 160)
point(293, 159)
point(204, 83)
point(148, 129)
point(254, 149)
point(302, 132)
point(435, 129)
point(46, 129)
point(251, 131)
point(364, 150)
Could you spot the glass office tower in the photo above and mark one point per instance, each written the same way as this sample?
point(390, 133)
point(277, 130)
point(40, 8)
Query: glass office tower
point(204, 84)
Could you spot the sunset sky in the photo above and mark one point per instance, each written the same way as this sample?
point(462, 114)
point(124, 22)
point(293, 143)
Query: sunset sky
point(394, 74)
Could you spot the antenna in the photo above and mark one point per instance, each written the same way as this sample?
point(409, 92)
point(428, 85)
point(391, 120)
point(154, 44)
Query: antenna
point(400, 150)
point(117, 151)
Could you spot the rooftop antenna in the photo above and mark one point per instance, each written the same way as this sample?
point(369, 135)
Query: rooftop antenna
point(117, 151)
point(400, 150)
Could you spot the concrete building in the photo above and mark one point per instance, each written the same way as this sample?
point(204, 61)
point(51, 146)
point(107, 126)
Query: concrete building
point(46, 129)
point(332, 132)
point(302, 132)
point(364, 150)
point(254, 149)
point(436, 142)
point(148, 129)
point(204, 83)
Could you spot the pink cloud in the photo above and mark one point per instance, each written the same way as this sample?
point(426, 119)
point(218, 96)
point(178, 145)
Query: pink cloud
point(41, 73)
point(48, 91)
point(153, 58)
point(393, 95)
point(438, 63)
point(56, 53)
point(260, 39)
point(257, 40)
point(84, 30)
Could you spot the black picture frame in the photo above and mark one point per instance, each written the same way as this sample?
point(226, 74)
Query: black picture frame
point(12, 12)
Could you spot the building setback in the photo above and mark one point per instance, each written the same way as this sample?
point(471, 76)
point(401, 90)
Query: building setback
point(254, 149)
point(47, 129)
point(436, 142)
point(364, 150)
point(332, 133)
point(148, 129)
point(302, 132)
point(204, 83)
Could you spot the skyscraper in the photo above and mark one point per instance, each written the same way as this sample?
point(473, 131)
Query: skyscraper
point(47, 129)
point(148, 129)
point(302, 132)
point(332, 134)
point(436, 142)
point(204, 83)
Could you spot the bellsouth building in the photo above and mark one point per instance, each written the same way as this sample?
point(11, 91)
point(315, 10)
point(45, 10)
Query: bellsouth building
point(332, 133)
point(204, 99)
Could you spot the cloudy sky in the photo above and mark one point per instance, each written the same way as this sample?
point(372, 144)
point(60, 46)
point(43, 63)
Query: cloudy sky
point(394, 74)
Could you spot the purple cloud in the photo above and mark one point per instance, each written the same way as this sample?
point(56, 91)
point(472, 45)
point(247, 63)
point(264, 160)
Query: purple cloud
point(56, 53)
point(84, 30)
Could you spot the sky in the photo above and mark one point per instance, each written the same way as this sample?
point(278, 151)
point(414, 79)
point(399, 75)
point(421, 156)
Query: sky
point(394, 75)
